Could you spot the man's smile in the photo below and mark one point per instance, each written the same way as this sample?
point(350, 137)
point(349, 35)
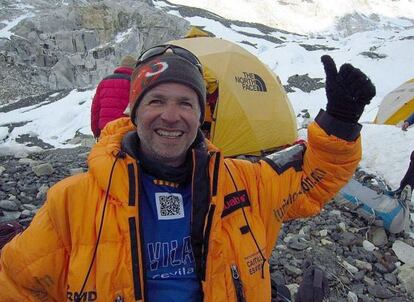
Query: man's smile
point(169, 133)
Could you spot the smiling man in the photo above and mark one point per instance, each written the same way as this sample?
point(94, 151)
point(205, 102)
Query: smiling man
point(162, 216)
point(167, 122)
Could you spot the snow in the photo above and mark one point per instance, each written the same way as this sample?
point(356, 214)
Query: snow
point(386, 149)
point(121, 36)
point(4, 131)
point(309, 16)
point(5, 31)
point(54, 123)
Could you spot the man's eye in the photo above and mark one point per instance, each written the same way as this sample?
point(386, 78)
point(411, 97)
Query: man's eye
point(155, 102)
point(187, 104)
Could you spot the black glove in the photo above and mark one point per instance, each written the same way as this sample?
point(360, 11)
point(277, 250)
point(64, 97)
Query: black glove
point(348, 90)
point(314, 286)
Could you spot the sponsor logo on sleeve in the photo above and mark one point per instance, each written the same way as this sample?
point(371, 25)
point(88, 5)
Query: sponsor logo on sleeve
point(235, 201)
point(307, 184)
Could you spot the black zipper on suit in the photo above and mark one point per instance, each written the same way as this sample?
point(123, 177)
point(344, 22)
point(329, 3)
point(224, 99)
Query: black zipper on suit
point(141, 234)
point(133, 234)
point(134, 256)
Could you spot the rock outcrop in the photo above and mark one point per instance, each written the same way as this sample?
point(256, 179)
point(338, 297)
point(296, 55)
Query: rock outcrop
point(75, 44)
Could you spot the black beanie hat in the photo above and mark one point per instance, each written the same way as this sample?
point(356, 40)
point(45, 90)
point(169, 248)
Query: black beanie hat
point(163, 69)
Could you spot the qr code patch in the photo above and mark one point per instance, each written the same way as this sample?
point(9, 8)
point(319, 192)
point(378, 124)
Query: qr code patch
point(169, 205)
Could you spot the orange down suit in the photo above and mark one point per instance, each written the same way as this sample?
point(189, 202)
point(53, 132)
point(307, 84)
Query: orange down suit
point(248, 203)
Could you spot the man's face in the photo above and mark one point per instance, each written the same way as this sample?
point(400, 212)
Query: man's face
point(167, 120)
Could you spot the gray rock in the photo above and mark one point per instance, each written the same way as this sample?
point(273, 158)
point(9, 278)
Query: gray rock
point(25, 199)
point(368, 246)
point(9, 216)
point(75, 46)
point(297, 243)
point(335, 213)
point(379, 267)
point(348, 238)
point(25, 214)
point(38, 202)
point(42, 191)
point(27, 161)
point(368, 281)
point(349, 267)
point(8, 205)
point(379, 237)
point(358, 288)
point(352, 297)
point(304, 83)
point(386, 262)
point(406, 275)
point(359, 276)
point(88, 142)
point(21, 154)
point(363, 265)
point(83, 155)
point(404, 252)
point(391, 278)
point(293, 288)
point(305, 231)
point(323, 233)
point(326, 242)
point(365, 298)
point(278, 277)
point(75, 171)
point(379, 291)
point(14, 199)
point(75, 141)
point(342, 227)
point(344, 279)
point(29, 207)
point(43, 169)
point(292, 270)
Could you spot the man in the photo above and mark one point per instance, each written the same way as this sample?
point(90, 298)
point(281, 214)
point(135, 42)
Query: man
point(408, 178)
point(162, 216)
point(408, 122)
point(111, 97)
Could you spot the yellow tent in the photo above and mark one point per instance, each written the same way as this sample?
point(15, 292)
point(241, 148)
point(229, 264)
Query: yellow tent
point(253, 113)
point(397, 105)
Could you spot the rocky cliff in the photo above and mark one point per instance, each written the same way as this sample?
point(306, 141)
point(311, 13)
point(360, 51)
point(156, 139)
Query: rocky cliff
point(54, 45)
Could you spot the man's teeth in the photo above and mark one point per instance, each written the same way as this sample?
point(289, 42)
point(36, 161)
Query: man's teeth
point(169, 133)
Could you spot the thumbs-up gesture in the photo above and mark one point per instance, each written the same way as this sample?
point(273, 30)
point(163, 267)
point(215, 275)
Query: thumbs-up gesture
point(348, 91)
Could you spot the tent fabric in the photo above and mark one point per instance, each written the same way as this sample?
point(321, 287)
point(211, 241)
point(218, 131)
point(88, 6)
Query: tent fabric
point(210, 79)
point(253, 113)
point(397, 105)
point(196, 32)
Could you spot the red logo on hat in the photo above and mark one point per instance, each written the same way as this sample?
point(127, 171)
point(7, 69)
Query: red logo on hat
point(148, 73)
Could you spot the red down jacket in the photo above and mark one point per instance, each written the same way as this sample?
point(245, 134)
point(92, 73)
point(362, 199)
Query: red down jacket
point(111, 99)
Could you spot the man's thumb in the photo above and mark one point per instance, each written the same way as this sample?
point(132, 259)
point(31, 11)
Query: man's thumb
point(329, 66)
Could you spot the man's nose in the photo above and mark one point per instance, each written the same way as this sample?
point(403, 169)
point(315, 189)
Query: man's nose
point(171, 113)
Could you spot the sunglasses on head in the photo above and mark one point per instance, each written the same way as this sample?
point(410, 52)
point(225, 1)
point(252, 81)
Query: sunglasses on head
point(177, 50)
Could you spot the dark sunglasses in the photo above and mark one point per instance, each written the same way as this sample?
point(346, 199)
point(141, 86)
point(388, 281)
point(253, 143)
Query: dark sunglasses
point(177, 50)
